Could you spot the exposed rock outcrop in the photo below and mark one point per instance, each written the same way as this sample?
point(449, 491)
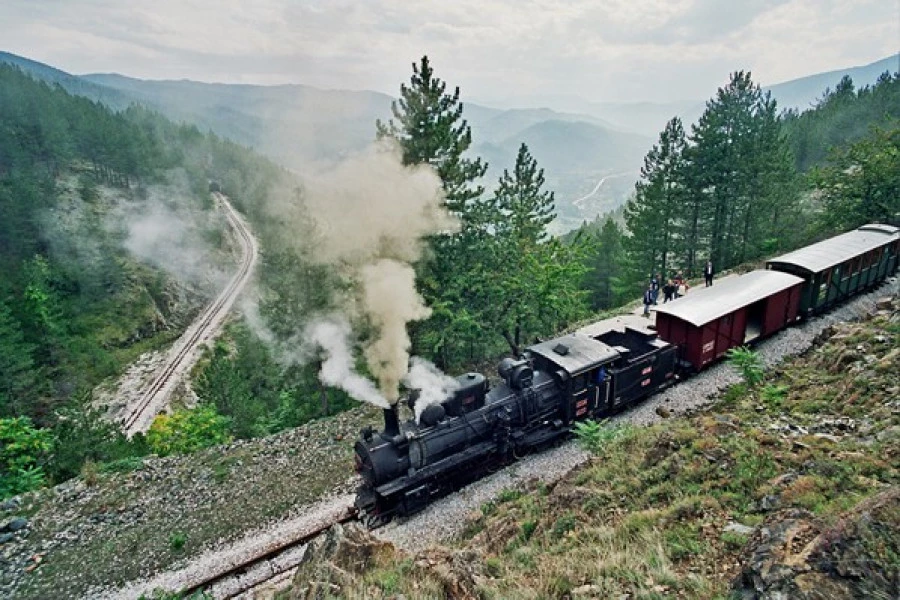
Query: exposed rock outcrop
point(794, 556)
point(335, 560)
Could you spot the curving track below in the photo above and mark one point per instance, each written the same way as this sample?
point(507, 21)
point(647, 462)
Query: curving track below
point(185, 351)
point(259, 558)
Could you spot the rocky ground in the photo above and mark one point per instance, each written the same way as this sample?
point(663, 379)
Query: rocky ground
point(88, 538)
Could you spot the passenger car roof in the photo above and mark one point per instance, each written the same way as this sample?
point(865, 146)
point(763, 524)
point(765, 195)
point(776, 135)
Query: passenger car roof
point(581, 352)
point(702, 305)
point(834, 251)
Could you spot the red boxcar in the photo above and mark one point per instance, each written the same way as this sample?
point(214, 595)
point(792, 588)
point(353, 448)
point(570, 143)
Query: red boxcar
point(708, 322)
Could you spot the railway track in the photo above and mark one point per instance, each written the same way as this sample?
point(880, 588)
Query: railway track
point(271, 566)
point(264, 558)
point(204, 328)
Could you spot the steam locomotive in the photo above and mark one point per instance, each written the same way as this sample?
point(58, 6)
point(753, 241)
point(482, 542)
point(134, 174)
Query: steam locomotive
point(602, 369)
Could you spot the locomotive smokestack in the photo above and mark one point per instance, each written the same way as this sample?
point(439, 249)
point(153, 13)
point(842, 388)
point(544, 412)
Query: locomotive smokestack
point(391, 422)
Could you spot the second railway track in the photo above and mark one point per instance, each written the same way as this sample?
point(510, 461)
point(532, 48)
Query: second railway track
point(202, 329)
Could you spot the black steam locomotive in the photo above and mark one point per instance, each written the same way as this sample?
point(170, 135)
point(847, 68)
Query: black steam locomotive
point(571, 378)
point(604, 368)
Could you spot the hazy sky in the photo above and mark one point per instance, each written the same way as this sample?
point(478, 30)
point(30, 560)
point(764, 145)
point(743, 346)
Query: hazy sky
point(604, 50)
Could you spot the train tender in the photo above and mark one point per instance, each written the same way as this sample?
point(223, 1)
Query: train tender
point(600, 369)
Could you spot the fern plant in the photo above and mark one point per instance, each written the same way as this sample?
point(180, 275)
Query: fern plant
point(748, 363)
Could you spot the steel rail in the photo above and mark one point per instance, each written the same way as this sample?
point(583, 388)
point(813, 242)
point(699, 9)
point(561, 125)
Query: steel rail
point(202, 327)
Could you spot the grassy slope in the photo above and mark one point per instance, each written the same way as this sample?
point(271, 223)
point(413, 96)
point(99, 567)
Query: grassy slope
point(647, 517)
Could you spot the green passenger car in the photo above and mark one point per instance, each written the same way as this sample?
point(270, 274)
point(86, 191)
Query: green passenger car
point(842, 266)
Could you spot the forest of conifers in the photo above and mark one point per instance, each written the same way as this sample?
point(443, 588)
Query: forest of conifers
point(746, 181)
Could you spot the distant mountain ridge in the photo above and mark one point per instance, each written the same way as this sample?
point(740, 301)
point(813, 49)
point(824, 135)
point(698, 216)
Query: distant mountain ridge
point(74, 84)
point(802, 93)
point(649, 118)
point(307, 128)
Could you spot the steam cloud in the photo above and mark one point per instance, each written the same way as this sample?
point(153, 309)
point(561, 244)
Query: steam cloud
point(372, 214)
point(169, 233)
point(433, 386)
point(390, 298)
point(332, 336)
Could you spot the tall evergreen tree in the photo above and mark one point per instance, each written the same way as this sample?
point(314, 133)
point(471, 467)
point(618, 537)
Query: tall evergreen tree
point(862, 183)
point(524, 208)
point(739, 171)
point(431, 130)
point(18, 376)
point(429, 126)
point(604, 277)
point(534, 283)
point(651, 215)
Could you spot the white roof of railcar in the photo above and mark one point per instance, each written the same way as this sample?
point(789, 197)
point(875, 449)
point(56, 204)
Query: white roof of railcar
point(834, 251)
point(702, 305)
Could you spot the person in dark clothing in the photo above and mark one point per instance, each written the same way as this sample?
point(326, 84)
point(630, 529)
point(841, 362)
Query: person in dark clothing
point(654, 286)
point(648, 300)
point(708, 273)
point(668, 291)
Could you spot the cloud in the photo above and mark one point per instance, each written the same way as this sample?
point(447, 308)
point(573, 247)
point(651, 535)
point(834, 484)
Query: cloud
point(608, 50)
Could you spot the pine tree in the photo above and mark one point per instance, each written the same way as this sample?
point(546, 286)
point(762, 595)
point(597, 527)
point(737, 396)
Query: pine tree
point(429, 126)
point(431, 130)
point(524, 208)
point(862, 183)
point(651, 215)
point(17, 371)
point(604, 276)
point(739, 175)
point(534, 287)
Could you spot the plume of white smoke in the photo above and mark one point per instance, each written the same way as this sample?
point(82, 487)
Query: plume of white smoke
point(333, 337)
point(391, 301)
point(372, 214)
point(167, 229)
point(433, 385)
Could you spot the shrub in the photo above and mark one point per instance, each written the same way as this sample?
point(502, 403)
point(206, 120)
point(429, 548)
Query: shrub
point(563, 525)
point(23, 449)
point(773, 395)
point(177, 540)
point(528, 528)
point(186, 431)
point(595, 436)
point(748, 363)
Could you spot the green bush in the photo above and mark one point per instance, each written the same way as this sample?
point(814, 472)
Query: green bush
point(23, 450)
point(177, 540)
point(595, 436)
point(186, 431)
point(773, 395)
point(748, 363)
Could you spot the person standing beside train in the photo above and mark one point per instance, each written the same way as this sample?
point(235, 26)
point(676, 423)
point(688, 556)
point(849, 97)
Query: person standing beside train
point(708, 273)
point(654, 286)
point(648, 300)
point(669, 291)
point(680, 287)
